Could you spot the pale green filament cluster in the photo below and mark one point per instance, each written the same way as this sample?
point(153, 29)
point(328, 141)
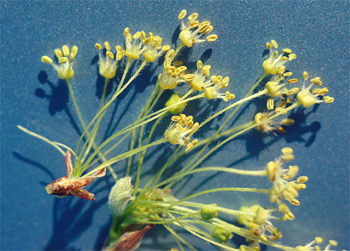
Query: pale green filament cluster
point(154, 203)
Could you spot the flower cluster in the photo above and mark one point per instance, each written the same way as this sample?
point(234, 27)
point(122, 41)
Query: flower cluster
point(283, 188)
point(136, 209)
point(178, 132)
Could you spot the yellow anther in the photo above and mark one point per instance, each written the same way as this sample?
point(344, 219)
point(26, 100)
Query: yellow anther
point(316, 81)
point(143, 36)
point(178, 63)
point(203, 25)
point(137, 35)
point(287, 51)
point(287, 157)
point(195, 128)
point(62, 60)
point(166, 48)
point(268, 46)
point(46, 60)
point(276, 54)
point(305, 75)
point(208, 29)
point(271, 170)
point(58, 53)
point(175, 118)
point(287, 150)
point(280, 129)
point(187, 141)
point(126, 32)
point(110, 54)
point(287, 122)
point(216, 79)
point(318, 240)
point(194, 24)
point(180, 70)
point(298, 187)
point(118, 48)
point(98, 46)
point(280, 110)
point(333, 243)
point(293, 91)
point(211, 38)
point(65, 50)
point(73, 53)
point(169, 53)
point(283, 58)
point(287, 74)
point(224, 82)
point(229, 96)
point(188, 147)
point(302, 179)
point(182, 14)
point(328, 99)
point(292, 81)
point(206, 70)
point(263, 237)
point(281, 70)
point(321, 92)
point(199, 64)
point(193, 17)
point(292, 56)
point(189, 77)
point(270, 104)
point(107, 46)
point(274, 43)
point(295, 202)
point(119, 55)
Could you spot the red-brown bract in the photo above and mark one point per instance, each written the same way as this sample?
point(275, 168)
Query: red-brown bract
point(67, 186)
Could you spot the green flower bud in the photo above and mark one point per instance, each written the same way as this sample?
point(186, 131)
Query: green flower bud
point(221, 234)
point(120, 196)
point(173, 100)
point(208, 212)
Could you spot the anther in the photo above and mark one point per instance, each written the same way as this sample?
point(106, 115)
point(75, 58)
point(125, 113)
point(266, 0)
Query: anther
point(211, 38)
point(46, 60)
point(58, 53)
point(62, 60)
point(182, 14)
point(65, 50)
point(107, 46)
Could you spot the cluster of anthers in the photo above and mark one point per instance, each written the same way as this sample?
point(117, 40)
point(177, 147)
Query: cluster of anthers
point(274, 86)
point(65, 60)
point(177, 133)
point(150, 47)
point(267, 125)
point(172, 75)
point(200, 81)
point(282, 187)
point(318, 240)
point(275, 60)
point(193, 30)
point(258, 220)
point(108, 64)
point(308, 97)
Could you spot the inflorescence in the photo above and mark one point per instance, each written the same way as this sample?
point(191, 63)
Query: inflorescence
point(154, 203)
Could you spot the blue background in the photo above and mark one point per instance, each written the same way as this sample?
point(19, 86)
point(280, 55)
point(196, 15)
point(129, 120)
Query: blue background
point(34, 97)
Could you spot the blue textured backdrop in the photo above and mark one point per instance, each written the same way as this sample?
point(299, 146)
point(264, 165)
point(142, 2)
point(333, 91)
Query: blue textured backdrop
point(34, 97)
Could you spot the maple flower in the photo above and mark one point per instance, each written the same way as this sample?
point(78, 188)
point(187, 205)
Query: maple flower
point(65, 60)
point(68, 185)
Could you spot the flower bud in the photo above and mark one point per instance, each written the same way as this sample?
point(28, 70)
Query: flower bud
point(208, 212)
point(173, 100)
point(120, 195)
point(221, 234)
